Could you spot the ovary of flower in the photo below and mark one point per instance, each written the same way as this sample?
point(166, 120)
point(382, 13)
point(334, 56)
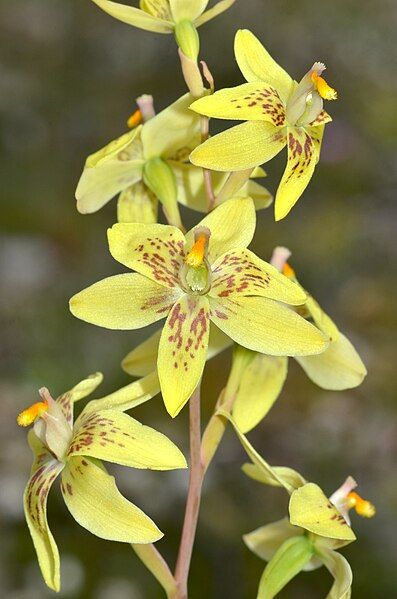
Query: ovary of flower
point(73, 451)
point(364, 508)
point(191, 281)
point(279, 112)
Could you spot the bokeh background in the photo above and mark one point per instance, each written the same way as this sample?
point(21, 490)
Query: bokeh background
point(68, 78)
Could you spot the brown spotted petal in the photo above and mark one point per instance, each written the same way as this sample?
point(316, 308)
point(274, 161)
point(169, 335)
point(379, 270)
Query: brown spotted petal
point(302, 158)
point(82, 389)
point(266, 326)
point(96, 504)
point(322, 119)
point(182, 351)
point(44, 471)
point(240, 272)
point(115, 437)
point(155, 251)
point(256, 101)
point(127, 301)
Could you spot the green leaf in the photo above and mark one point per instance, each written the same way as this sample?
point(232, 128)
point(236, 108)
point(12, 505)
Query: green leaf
point(286, 563)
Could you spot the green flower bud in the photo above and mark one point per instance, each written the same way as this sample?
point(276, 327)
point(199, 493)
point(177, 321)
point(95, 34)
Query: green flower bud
point(160, 178)
point(187, 39)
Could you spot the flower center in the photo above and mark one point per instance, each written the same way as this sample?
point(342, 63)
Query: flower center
point(196, 272)
point(362, 506)
point(50, 424)
point(306, 102)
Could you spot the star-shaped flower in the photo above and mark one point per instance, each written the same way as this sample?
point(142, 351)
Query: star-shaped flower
point(308, 538)
point(339, 367)
point(101, 432)
point(279, 112)
point(162, 16)
point(207, 275)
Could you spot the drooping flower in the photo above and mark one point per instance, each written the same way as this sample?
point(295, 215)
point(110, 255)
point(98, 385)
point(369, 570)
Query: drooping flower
point(166, 16)
point(309, 537)
point(207, 275)
point(148, 153)
point(150, 163)
point(74, 451)
point(339, 367)
point(279, 112)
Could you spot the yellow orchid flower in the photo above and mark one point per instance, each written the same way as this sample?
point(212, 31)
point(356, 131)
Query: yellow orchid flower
point(207, 275)
point(180, 17)
point(146, 154)
point(316, 526)
point(279, 112)
point(151, 162)
point(339, 367)
point(101, 432)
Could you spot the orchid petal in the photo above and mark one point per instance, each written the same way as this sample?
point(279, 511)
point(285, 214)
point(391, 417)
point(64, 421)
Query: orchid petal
point(312, 510)
point(135, 16)
point(158, 8)
point(79, 391)
point(96, 504)
point(108, 171)
point(241, 147)
point(266, 326)
point(265, 541)
point(232, 225)
point(127, 301)
point(340, 569)
point(277, 476)
point(137, 204)
point(190, 10)
point(274, 476)
point(256, 64)
point(170, 130)
point(248, 102)
point(338, 368)
point(213, 12)
point(182, 351)
point(260, 386)
point(127, 397)
point(155, 251)
point(302, 159)
point(241, 272)
point(113, 436)
point(44, 471)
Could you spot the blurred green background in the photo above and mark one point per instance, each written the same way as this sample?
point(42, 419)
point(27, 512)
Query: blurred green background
point(68, 78)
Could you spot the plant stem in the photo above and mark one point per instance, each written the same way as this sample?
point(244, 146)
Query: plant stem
point(209, 190)
point(193, 498)
point(154, 561)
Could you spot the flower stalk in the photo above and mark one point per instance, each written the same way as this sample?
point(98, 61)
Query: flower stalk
point(196, 476)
